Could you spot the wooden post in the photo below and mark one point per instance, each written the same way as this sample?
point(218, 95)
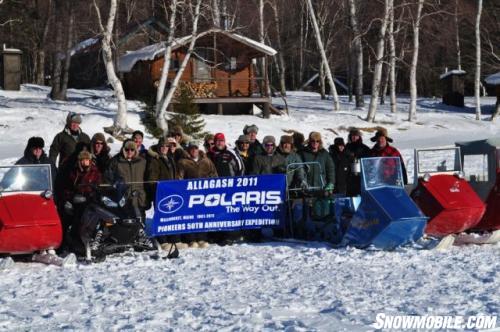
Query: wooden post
point(220, 109)
point(265, 111)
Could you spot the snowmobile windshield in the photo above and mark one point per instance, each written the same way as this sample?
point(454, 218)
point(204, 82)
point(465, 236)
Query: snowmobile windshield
point(381, 172)
point(25, 178)
point(442, 161)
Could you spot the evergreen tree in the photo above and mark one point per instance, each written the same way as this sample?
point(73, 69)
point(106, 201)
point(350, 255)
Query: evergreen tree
point(187, 114)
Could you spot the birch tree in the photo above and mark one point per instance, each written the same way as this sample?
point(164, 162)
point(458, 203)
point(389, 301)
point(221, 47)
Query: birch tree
point(333, 89)
point(164, 99)
point(358, 54)
point(414, 61)
point(457, 37)
point(280, 56)
point(392, 63)
point(477, 79)
point(379, 56)
point(120, 121)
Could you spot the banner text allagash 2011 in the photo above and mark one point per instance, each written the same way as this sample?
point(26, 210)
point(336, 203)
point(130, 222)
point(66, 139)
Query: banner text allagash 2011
point(219, 204)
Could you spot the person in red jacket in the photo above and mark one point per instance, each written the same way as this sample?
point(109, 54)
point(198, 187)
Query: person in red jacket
point(383, 149)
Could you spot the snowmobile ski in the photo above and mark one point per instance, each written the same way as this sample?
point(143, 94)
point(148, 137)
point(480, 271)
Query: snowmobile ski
point(475, 238)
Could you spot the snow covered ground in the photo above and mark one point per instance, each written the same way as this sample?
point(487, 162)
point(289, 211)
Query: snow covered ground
point(272, 286)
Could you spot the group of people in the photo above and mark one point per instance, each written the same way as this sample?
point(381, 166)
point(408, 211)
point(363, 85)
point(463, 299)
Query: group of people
point(84, 162)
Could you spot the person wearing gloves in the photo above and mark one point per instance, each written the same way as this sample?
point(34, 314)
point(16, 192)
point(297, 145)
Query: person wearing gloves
point(314, 152)
point(295, 177)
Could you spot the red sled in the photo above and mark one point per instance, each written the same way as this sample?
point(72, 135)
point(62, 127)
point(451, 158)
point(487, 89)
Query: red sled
point(484, 177)
point(443, 194)
point(29, 221)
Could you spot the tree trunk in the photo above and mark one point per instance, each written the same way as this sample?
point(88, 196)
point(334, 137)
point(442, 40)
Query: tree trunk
point(322, 80)
point(40, 58)
point(120, 120)
point(215, 13)
point(392, 64)
point(69, 44)
point(333, 89)
point(161, 119)
point(281, 60)
point(414, 62)
point(55, 92)
point(457, 37)
point(477, 81)
point(358, 54)
point(377, 74)
point(385, 82)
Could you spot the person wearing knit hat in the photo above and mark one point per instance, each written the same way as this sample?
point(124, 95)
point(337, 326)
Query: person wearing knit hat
point(314, 152)
point(383, 149)
point(295, 177)
point(270, 161)
point(64, 143)
point(342, 165)
point(255, 146)
point(242, 149)
point(355, 149)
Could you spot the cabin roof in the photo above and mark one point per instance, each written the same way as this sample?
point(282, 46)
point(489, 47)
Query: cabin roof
point(150, 52)
point(493, 79)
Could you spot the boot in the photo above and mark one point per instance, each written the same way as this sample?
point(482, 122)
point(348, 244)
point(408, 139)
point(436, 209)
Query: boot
point(143, 242)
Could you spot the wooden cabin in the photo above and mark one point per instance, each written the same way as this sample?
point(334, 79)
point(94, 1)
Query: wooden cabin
point(221, 72)
point(87, 69)
point(494, 80)
point(10, 68)
point(453, 87)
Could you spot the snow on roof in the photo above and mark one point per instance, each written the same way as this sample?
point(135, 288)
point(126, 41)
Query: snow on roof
point(83, 45)
point(452, 72)
point(128, 60)
point(493, 79)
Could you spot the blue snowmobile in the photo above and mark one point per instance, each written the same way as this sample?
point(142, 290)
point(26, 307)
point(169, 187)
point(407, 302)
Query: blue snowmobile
point(383, 216)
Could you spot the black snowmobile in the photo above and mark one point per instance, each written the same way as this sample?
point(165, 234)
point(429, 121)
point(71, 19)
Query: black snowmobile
point(111, 222)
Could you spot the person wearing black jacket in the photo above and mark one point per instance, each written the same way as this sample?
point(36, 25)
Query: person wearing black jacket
point(35, 155)
point(342, 165)
point(355, 150)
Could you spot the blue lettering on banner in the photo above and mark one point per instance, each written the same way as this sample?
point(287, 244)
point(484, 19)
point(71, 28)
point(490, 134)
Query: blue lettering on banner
point(218, 204)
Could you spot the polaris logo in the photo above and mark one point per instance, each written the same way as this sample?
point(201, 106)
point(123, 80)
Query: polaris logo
point(238, 198)
point(170, 204)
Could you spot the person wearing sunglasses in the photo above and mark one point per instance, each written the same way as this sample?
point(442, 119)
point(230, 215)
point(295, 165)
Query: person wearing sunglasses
point(100, 149)
point(324, 175)
point(243, 150)
point(269, 161)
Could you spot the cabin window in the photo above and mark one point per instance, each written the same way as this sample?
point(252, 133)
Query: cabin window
point(202, 72)
point(233, 63)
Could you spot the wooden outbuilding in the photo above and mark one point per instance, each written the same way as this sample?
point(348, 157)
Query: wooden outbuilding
point(10, 68)
point(221, 72)
point(453, 87)
point(87, 68)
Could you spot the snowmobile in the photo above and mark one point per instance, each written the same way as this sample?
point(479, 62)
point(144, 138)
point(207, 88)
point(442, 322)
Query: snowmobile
point(29, 224)
point(481, 160)
point(443, 194)
point(383, 216)
point(111, 222)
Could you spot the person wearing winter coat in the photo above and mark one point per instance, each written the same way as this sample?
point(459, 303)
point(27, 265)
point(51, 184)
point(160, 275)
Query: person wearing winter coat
point(243, 150)
point(195, 164)
point(255, 146)
point(226, 161)
point(342, 165)
point(65, 142)
point(35, 155)
point(180, 137)
point(138, 138)
point(355, 150)
point(100, 150)
point(161, 163)
point(383, 149)
point(208, 143)
point(314, 152)
point(269, 161)
point(129, 167)
point(295, 177)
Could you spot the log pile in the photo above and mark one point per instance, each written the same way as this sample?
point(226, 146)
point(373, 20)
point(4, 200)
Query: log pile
point(200, 89)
